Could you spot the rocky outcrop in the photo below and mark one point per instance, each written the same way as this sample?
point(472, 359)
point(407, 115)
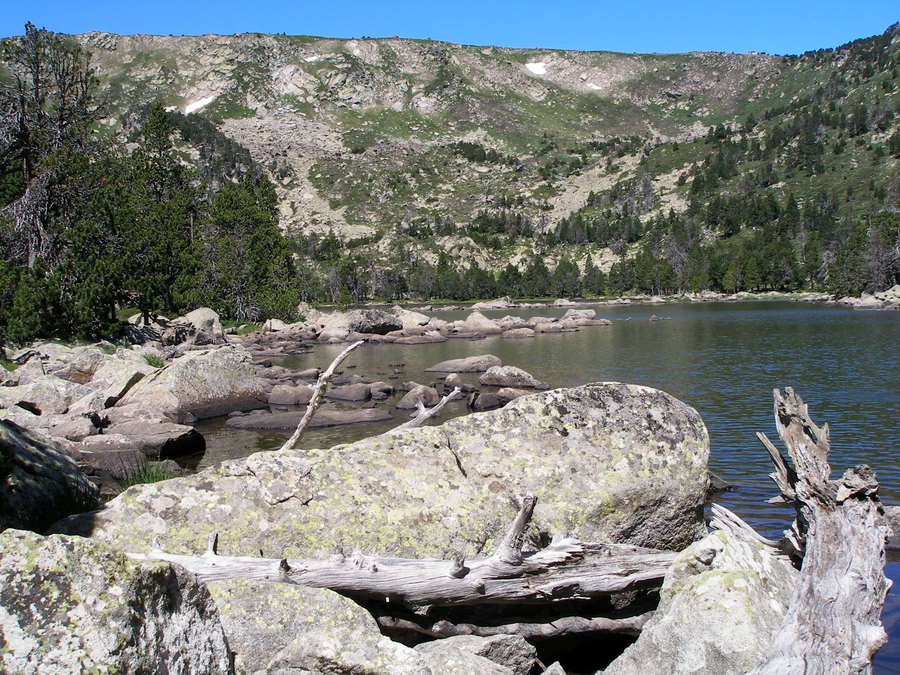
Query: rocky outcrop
point(284, 394)
point(201, 384)
point(510, 376)
point(722, 602)
point(469, 364)
point(39, 482)
point(608, 461)
point(72, 605)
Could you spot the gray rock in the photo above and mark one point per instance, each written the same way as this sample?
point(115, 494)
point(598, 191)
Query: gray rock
point(160, 440)
point(349, 392)
point(372, 321)
point(72, 605)
point(722, 602)
point(293, 629)
point(518, 333)
point(469, 364)
point(451, 660)
point(380, 391)
point(510, 651)
point(39, 482)
point(48, 394)
point(201, 384)
point(510, 393)
point(284, 394)
point(546, 327)
point(579, 314)
point(427, 395)
point(75, 428)
point(485, 400)
point(554, 669)
point(608, 461)
point(479, 323)
point(510, 376)
point(324, 417)
point(425, 339)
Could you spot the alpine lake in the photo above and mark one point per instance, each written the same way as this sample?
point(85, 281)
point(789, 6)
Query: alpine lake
point(723, 359)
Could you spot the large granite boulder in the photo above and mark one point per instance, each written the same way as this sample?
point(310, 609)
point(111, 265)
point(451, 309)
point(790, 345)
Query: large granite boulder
point(608, 461)
point(206, 322)
point(201, 384)
point(39, 482)
point(510, 651)
point(374, 321)
point(721, 604)
point(72, 605)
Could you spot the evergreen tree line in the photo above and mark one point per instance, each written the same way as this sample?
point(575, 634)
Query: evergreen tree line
point(88, 228)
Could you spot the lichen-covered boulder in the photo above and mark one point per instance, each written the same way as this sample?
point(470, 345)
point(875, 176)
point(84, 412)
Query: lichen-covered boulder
point(72, 605)
point(201, 384)
point(608, 461)
point(39, 482)
point(289, 629)
point(722, 602)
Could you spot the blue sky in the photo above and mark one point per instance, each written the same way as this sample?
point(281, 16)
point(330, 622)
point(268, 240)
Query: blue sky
point(784, 27)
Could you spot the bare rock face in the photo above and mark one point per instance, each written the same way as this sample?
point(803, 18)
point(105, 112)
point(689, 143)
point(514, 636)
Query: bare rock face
point(39, 482)
point(721, 604)
point(469, 364)
point(72, 605)
point(201, 384)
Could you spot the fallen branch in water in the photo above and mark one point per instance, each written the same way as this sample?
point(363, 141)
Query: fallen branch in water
point(316, 399)
point(424, 414)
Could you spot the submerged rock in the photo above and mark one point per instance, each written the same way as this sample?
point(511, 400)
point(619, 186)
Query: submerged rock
point(72, 605)
point(324, 417)
point(39, 482)
point(722, 602)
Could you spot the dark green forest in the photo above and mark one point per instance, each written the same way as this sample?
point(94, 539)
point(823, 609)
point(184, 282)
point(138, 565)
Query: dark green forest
point(93, 222)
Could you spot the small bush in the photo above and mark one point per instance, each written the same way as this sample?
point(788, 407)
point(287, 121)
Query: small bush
point(153, 360)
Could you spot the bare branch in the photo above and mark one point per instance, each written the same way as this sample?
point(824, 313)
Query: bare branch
point(424, 414)
point(316, 400)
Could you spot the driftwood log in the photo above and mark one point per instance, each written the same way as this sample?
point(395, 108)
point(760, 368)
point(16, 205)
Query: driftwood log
point(566, 569)
point(423, 414)
point(832, 624)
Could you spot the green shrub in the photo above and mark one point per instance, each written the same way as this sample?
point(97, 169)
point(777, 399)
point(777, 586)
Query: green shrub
point(153, 360)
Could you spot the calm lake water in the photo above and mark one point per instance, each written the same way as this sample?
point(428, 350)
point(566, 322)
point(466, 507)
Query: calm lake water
point(723, 359)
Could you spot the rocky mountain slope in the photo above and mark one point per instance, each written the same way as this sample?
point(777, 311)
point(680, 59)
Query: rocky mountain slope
point(356, 131)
